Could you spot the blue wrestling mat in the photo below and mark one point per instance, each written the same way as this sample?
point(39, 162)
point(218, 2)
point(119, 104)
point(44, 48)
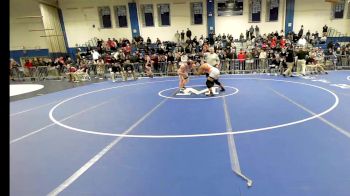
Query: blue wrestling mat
point(286, 136)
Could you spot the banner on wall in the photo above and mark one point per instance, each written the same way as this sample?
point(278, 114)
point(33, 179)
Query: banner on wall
point(256, 6)
point(197, 8)
point(230, 7)
point(339, 9)
point(148, 8)
point(274, 4)
point(105, 11)
point(273, 10)
point(121, 10)
point(164, 8)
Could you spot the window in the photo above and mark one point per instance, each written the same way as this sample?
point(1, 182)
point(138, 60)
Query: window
point(147, 15)
point(255, 11)
point(121, 16)
point(164, 14)
point(105, 17)
point(272, 10)
point(197, 13)
point(338, 9)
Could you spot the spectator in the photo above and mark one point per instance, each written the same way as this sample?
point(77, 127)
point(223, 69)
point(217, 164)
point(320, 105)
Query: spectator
point(188, 34)
point(247, 34)
point(182, 36)
point(78, 55)
point(324, 30)
point(100, 67)
point(95, 55)
point(71, 76)
point(323, 40)
point(301, 31)
point(241, 37)
point(251, 31)
point(14, 69)
point(212, 58)
point(307, 36)
point(302, 41)
point(241, 57)
point(177, 37)
point(257, 31)
point(148, 41)
point(158, 42)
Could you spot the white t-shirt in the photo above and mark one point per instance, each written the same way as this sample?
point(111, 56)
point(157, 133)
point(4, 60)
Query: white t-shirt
point(262, 55)
point(212, 59)
point(95, 55)
point(184, 58)
point(302, 41)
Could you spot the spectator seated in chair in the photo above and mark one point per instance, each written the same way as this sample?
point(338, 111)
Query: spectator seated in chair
point(71, 73)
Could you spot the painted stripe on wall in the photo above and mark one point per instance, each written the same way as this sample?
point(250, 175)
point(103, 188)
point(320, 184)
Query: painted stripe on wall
point(210, 16)
point(289, 22)
point(60, 16)
point(135, 29)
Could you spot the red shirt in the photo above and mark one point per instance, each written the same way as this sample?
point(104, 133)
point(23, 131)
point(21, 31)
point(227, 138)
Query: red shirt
point(72, 69)
point(28, 64)
point(109, 43)
point(113, 44)
point(241, 57)
point(273, 44)
point(283, 43)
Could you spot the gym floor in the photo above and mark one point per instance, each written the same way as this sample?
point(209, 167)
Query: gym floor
point(289, 136)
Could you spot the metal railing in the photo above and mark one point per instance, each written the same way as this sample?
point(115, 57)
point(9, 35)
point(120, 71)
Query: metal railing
point(226, 66)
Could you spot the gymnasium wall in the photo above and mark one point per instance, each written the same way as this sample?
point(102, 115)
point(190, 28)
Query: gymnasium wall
point(79, 16)
point(20, 36)
point(180, 19)
point(314, 14)
point(236, 25)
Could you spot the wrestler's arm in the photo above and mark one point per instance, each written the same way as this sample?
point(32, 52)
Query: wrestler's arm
point(199, 71)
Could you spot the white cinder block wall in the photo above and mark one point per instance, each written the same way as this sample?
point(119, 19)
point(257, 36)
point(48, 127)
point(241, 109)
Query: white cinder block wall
point(80, 15)
point(20, 36)
point(314, 14)
point(236, 25)
point(180, 19)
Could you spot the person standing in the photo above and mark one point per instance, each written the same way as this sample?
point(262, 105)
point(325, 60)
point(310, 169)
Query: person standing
point(212, 58)
point(301, 63)
point(182, 36)
point(290, 61)
point(324, 30)
point(257, 31)
point(177, 37)
point(251, 31)
point(188, 34)
point(148, 66)
point(301, 31)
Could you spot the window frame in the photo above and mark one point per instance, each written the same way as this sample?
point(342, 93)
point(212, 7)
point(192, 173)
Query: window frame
point(192, 11)
point(115, 10)
point(250, 17)
point(100, 16)
point(160, 15)
point(268, 11)
point(334, 7)
point(143, 17)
